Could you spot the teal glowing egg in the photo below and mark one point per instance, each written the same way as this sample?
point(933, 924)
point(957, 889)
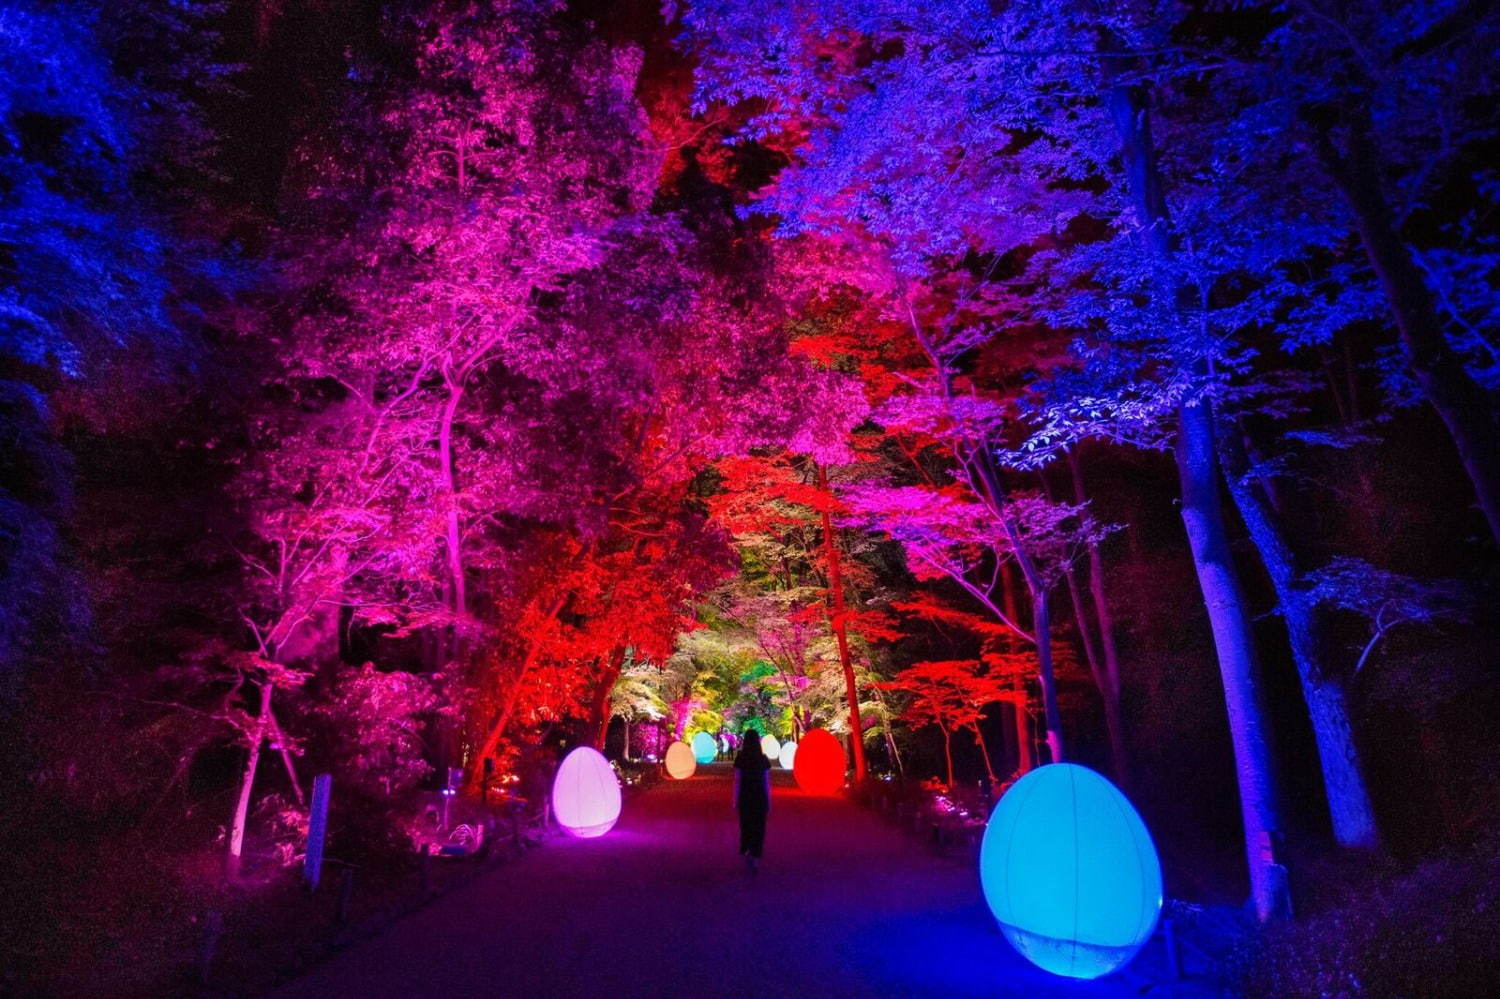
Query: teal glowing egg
point(1069, 870)
point(705, 749)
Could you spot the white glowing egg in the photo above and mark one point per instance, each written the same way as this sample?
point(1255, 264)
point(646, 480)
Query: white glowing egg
point(586, 794)
point(788, 755)
point(680, 761)
point(1070, 872)
point(770, 746)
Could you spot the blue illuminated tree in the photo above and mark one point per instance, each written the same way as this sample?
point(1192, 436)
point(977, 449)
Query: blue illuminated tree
point(1158, 225)
point(85, 284)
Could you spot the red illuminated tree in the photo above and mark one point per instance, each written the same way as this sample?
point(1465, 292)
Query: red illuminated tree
point(950, 695)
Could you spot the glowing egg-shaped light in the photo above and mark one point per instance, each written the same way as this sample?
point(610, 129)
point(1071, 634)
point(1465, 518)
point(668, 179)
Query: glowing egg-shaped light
point(820, 763)
point(586, 794)
point(1069, 870)
point(788, 755)
point(771, 746)
point(680, 761)
point(705, 748)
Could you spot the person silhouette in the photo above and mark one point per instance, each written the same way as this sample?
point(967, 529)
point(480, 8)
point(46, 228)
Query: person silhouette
point(752, 796)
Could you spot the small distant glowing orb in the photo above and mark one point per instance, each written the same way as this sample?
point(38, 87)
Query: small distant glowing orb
point(788, 755)
point(705, 748)
point(1069, 870)
point(820, 763)
point(680, 761)
point(771, 746)
point(586, 794)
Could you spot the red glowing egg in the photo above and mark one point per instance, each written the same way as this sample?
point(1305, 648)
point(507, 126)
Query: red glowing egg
point(819, 764)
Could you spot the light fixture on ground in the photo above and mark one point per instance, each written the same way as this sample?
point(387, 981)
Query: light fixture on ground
point(705, 747)
point(680, 762)
point(586, 794)
point(820, 763)
point(1069, 870)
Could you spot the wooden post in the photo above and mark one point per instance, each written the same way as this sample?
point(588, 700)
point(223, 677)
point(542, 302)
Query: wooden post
point(317, 829)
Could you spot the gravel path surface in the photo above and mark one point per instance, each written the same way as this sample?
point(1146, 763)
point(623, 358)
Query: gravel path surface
point(844, 905)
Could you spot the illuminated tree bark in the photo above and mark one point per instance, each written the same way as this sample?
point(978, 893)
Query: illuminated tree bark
point(975, 458)
point(1203, 518)
point(247, 781)
point(1103, 658)
point(948, 751)
point(984, 752)
point(1468, 411)
point(496, 730)
point(453, 533)
point(1349, 806)
point(1037, 590)
point(838, 617)
point(600, 713)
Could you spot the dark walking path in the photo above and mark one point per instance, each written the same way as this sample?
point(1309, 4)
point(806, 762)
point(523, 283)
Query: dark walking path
point(844, 906)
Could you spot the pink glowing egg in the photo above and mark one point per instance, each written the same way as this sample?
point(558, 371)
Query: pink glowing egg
point(680, 761)
point(586, 794)
point(819, 763)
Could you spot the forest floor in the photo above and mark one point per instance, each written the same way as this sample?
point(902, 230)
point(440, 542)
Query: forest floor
point(844, 905)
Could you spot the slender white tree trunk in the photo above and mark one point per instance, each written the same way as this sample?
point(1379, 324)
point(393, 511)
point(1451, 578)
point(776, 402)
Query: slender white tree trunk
point(247, 781)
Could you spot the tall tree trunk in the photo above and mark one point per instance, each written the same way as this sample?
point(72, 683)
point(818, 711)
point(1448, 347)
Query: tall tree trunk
point(1025, 760)
point(1085, 627)
point(1470, 413)
point(885, 729)
point(496, 730)
point(1009, 603)
point(948, 752)
point(1041, 618)
point(613, 664)
point(247, 781)
point(984, 752)
point(286, 758)
point(838, 616)
point(1344, 785)
point(1204, 520)
point(458, 601)
point(1197, 464)
point(1036, 588)
point(1104, 616)
point(1109, 692)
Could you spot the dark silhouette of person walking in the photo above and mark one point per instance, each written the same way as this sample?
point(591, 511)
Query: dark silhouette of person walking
point(752, 796)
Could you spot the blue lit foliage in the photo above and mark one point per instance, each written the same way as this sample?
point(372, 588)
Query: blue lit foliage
point(705, 749)
point(82, 278)
point(85, 273)
point(938, 128)
point(1194, 198)
point(1070, 871)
